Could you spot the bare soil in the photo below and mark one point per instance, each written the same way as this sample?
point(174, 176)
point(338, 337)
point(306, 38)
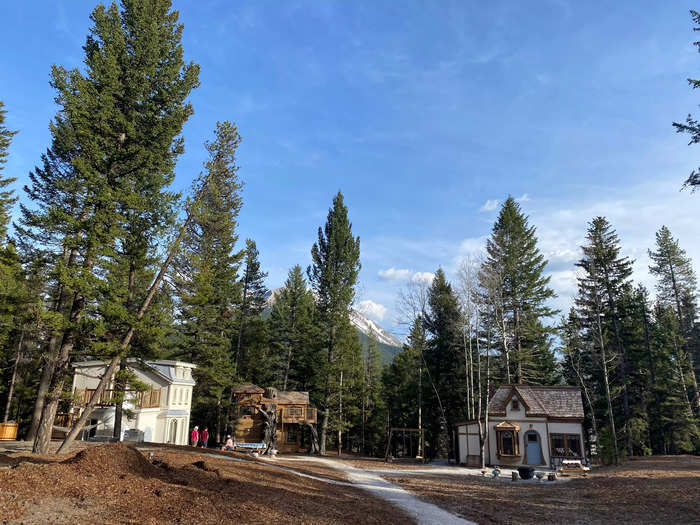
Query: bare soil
point(116, 483)
point(662, 489)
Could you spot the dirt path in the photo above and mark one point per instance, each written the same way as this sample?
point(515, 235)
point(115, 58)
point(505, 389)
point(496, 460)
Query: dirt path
point(422, 511)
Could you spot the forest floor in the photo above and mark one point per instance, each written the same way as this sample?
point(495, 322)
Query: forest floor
point(660, 489)
point(116, 483)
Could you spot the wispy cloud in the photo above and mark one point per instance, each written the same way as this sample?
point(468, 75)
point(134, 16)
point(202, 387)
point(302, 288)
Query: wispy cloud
point(489, 205)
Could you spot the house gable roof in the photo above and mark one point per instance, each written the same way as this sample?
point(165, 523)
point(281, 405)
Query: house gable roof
point(291, 397)
point(248, 389)
point(550, 401)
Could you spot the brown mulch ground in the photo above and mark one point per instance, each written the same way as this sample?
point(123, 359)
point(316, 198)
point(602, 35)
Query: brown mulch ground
point(115, 483)
point(663, 489)
point(398, 464)
point(300, 464)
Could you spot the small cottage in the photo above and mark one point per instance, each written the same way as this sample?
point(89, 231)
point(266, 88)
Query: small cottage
point(528, 425)
point(159, 415)
point(293, 412)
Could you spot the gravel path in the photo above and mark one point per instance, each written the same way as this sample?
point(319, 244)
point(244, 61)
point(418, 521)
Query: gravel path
point(422, 511)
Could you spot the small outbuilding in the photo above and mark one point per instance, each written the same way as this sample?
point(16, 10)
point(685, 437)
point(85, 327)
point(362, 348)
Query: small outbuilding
point(531, 425)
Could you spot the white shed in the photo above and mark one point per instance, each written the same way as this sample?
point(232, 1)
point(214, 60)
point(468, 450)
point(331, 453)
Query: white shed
point(527, 425)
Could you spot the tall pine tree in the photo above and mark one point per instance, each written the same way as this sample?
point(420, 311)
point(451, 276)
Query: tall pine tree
point(677, 288)
point(514, 257)
point(114, 145)
point(333, 275)
point(206, 280)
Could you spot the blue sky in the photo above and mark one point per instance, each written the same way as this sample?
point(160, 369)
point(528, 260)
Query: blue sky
point(425, 115)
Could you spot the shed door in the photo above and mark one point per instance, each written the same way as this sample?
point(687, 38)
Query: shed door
point(533, 450)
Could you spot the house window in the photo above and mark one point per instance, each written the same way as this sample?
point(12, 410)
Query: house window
point(566, 445)
point(292, 434)
point(507, 439)
point(516, 404)
point(507, 443)
point(246, 411)
point(294, 412)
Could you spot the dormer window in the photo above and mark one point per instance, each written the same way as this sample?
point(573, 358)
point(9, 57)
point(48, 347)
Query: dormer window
point(515, 404)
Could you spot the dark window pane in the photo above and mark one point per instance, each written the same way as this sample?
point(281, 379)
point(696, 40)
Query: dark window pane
point(558, 446)
point(507, 440)
point(574, 444)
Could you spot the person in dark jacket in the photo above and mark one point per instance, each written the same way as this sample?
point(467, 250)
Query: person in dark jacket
point(204, 437)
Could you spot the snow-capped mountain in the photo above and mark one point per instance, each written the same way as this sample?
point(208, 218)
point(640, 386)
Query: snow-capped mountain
point(388, 344)
point(366, 326)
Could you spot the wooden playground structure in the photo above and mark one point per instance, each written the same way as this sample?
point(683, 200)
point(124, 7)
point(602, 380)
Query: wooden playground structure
point(397, 447)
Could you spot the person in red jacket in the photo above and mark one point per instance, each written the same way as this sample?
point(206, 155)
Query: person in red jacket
point(204, 437)
point(194, 436)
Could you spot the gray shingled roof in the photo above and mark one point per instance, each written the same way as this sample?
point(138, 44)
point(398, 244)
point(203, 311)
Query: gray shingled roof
point(551, 401)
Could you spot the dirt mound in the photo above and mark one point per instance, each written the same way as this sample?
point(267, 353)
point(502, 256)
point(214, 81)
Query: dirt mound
point(111, 459)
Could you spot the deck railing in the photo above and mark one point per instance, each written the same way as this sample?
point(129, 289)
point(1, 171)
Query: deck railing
point(298, 415)
point(147, 399)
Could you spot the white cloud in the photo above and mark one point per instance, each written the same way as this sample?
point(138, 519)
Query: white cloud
point(523, 198)
point(489, 205)
point(372, 310)
point(423, 277)
point(404, 274)
point(394, 274)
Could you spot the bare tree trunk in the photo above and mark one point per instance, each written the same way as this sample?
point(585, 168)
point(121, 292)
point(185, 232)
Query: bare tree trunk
point(43, 389)
point(519, 366)
point(48, 415)
point(466, 372)
point(604, 363)
point(505, 345)
point(11, 391)
point(327, 397)
point(340, 415)
point(484, 433)
point(119, 389)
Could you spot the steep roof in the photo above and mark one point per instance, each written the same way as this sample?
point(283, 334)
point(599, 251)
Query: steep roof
point(290, 397)
point(550, 401)
point(248, 389)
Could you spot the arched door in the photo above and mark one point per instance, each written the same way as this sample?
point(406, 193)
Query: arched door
point(173, 432)
point(533, 448)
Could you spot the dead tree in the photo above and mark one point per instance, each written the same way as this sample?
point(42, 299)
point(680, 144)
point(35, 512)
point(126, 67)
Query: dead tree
point(314, 447)
point(269, 412)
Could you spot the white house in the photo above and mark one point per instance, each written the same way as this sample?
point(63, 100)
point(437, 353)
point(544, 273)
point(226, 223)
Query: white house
point(527, 425)
point(162, 413)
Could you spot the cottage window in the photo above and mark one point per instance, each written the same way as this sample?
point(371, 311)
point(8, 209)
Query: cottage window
point(507, 439)
point(292, 434)
point(566, 445)
point(507, 443)
point(516, 404)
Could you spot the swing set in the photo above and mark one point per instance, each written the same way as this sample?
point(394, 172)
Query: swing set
point(398, 448)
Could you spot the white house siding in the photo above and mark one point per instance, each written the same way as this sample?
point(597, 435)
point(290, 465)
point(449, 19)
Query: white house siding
point(175, 380)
